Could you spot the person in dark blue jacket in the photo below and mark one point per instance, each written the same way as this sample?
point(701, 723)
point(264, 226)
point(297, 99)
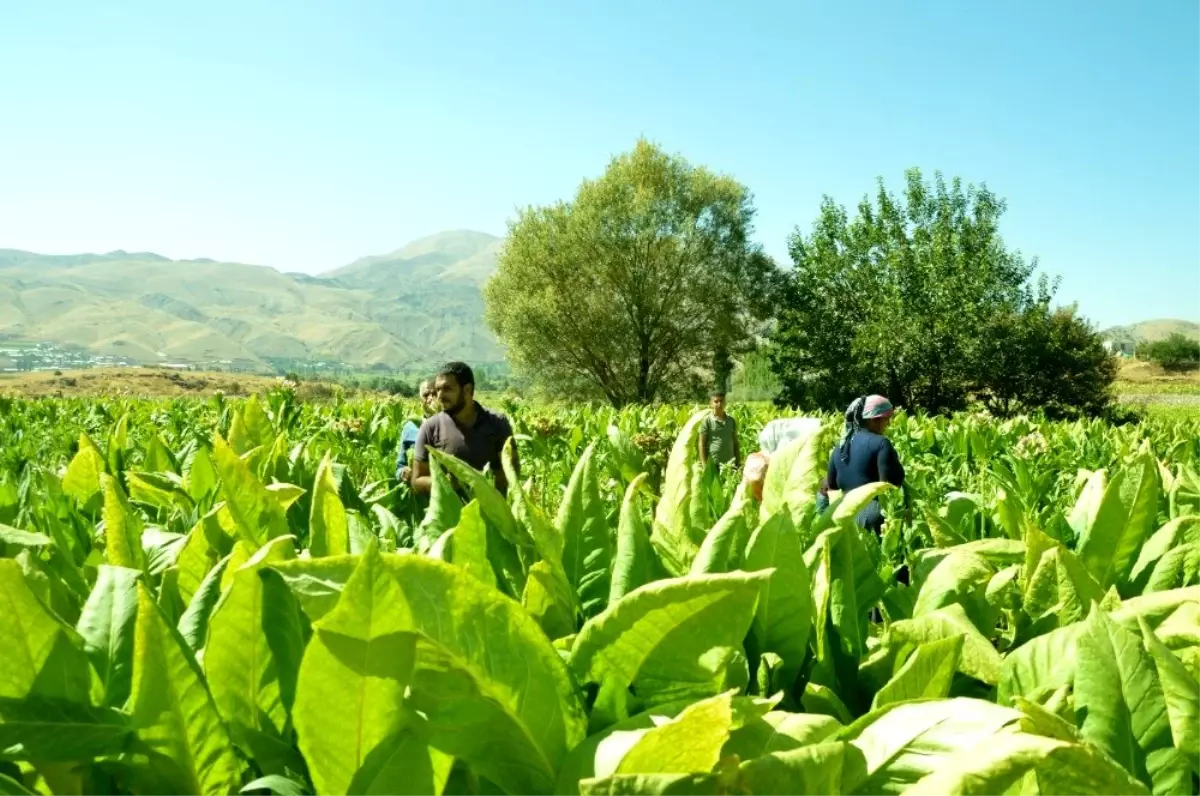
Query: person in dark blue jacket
point(865, 456)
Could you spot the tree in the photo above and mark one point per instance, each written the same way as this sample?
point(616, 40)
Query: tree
point(1177, 352)
point(896, 299)
point(644, 281)
point(1052, 360)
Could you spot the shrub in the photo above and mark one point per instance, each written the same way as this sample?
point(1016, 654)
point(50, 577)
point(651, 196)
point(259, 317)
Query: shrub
point(1177, 352)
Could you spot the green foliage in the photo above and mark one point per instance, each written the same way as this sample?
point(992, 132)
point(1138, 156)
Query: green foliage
point(918, 298)
point(267, 620)
point(1054, 361)
point(1177, 352)
point(646, 277)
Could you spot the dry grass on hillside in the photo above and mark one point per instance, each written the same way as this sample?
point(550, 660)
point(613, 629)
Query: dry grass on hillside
point(145, 382)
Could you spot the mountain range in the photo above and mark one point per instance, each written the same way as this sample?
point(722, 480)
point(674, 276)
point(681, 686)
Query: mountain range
point(1152, 331)
point(417, 305)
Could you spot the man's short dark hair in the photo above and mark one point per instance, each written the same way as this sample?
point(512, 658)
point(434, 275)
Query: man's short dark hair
point(461, 372)
point(717, 394)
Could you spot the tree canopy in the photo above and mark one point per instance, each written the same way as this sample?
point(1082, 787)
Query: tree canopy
point(913, 297)
point(640, 288)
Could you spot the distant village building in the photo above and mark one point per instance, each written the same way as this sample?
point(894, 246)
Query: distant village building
point(1120, 348)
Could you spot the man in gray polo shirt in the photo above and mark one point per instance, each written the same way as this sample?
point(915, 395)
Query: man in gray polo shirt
point(463, 429)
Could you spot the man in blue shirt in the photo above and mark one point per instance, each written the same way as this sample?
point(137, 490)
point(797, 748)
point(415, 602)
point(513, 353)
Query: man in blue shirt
point(408, 434)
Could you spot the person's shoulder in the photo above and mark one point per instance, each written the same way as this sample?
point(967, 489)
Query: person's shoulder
point(875, 441)
point(494, 417)
point(432, 423)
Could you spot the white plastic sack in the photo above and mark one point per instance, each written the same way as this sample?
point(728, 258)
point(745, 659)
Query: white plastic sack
point(778, 432)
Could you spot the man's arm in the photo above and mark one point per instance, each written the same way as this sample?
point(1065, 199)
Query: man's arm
point(831, 474)
point(703, 443)
point(422, 482)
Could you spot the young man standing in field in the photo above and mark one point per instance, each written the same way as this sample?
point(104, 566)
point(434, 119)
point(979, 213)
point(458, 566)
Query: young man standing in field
point(463, 429)
point(718, 436)
point(408, 435)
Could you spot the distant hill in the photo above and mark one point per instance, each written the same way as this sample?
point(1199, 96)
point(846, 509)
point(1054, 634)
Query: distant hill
point(420, 304)
point(1150, 331)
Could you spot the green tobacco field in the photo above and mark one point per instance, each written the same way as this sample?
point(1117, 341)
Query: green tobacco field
point(234, 596)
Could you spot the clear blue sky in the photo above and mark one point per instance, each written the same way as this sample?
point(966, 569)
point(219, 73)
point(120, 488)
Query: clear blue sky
point(305, 135)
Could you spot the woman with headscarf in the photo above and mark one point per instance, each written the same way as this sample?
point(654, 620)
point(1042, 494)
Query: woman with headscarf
point(865, 456)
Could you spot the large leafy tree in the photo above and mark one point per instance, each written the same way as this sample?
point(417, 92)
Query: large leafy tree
point(896, 299)
point(641, 287)
point(1047, 359)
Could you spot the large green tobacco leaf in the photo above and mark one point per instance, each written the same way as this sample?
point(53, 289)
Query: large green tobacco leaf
point(106, 625)
point(353, 678)
point(978, 659)
point(1155, 607)
point(493, 505)
point(549, 599)
point(1120, 706)
point(784, 616)
point(82, 479)
point(496, 693)
point(1060, 585)
point(689, 743)
point(794, 475)
point(903, 743)
point(328, 534)
point(960, 578)
point(506, 538)
point(118, 445)
point(1112, 524)
point(256, 513)
point(251, 428)
point(1002, 762)
point(38, 654)
point(175, 716)
point(681, 517)
point(1040, 666)
point(245, 674)
point(927, 674)
point(471, 544)
point(199, 554)
point(1179, 532)
point(193, 624)
point(725, 544)
point(779, 731)
point(317, 583)
point(122, 527)
point(845, 584)
point(633, 562)
point(55, 730)
point(529, 515)
point(671, 638)
point(403, 764)
point(814, 770)
point(1180, 567)
point(587, 541)
point(1181, 692)
point(158, 458)
point(444, 505)
point(752, 734)
point(202, 475)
